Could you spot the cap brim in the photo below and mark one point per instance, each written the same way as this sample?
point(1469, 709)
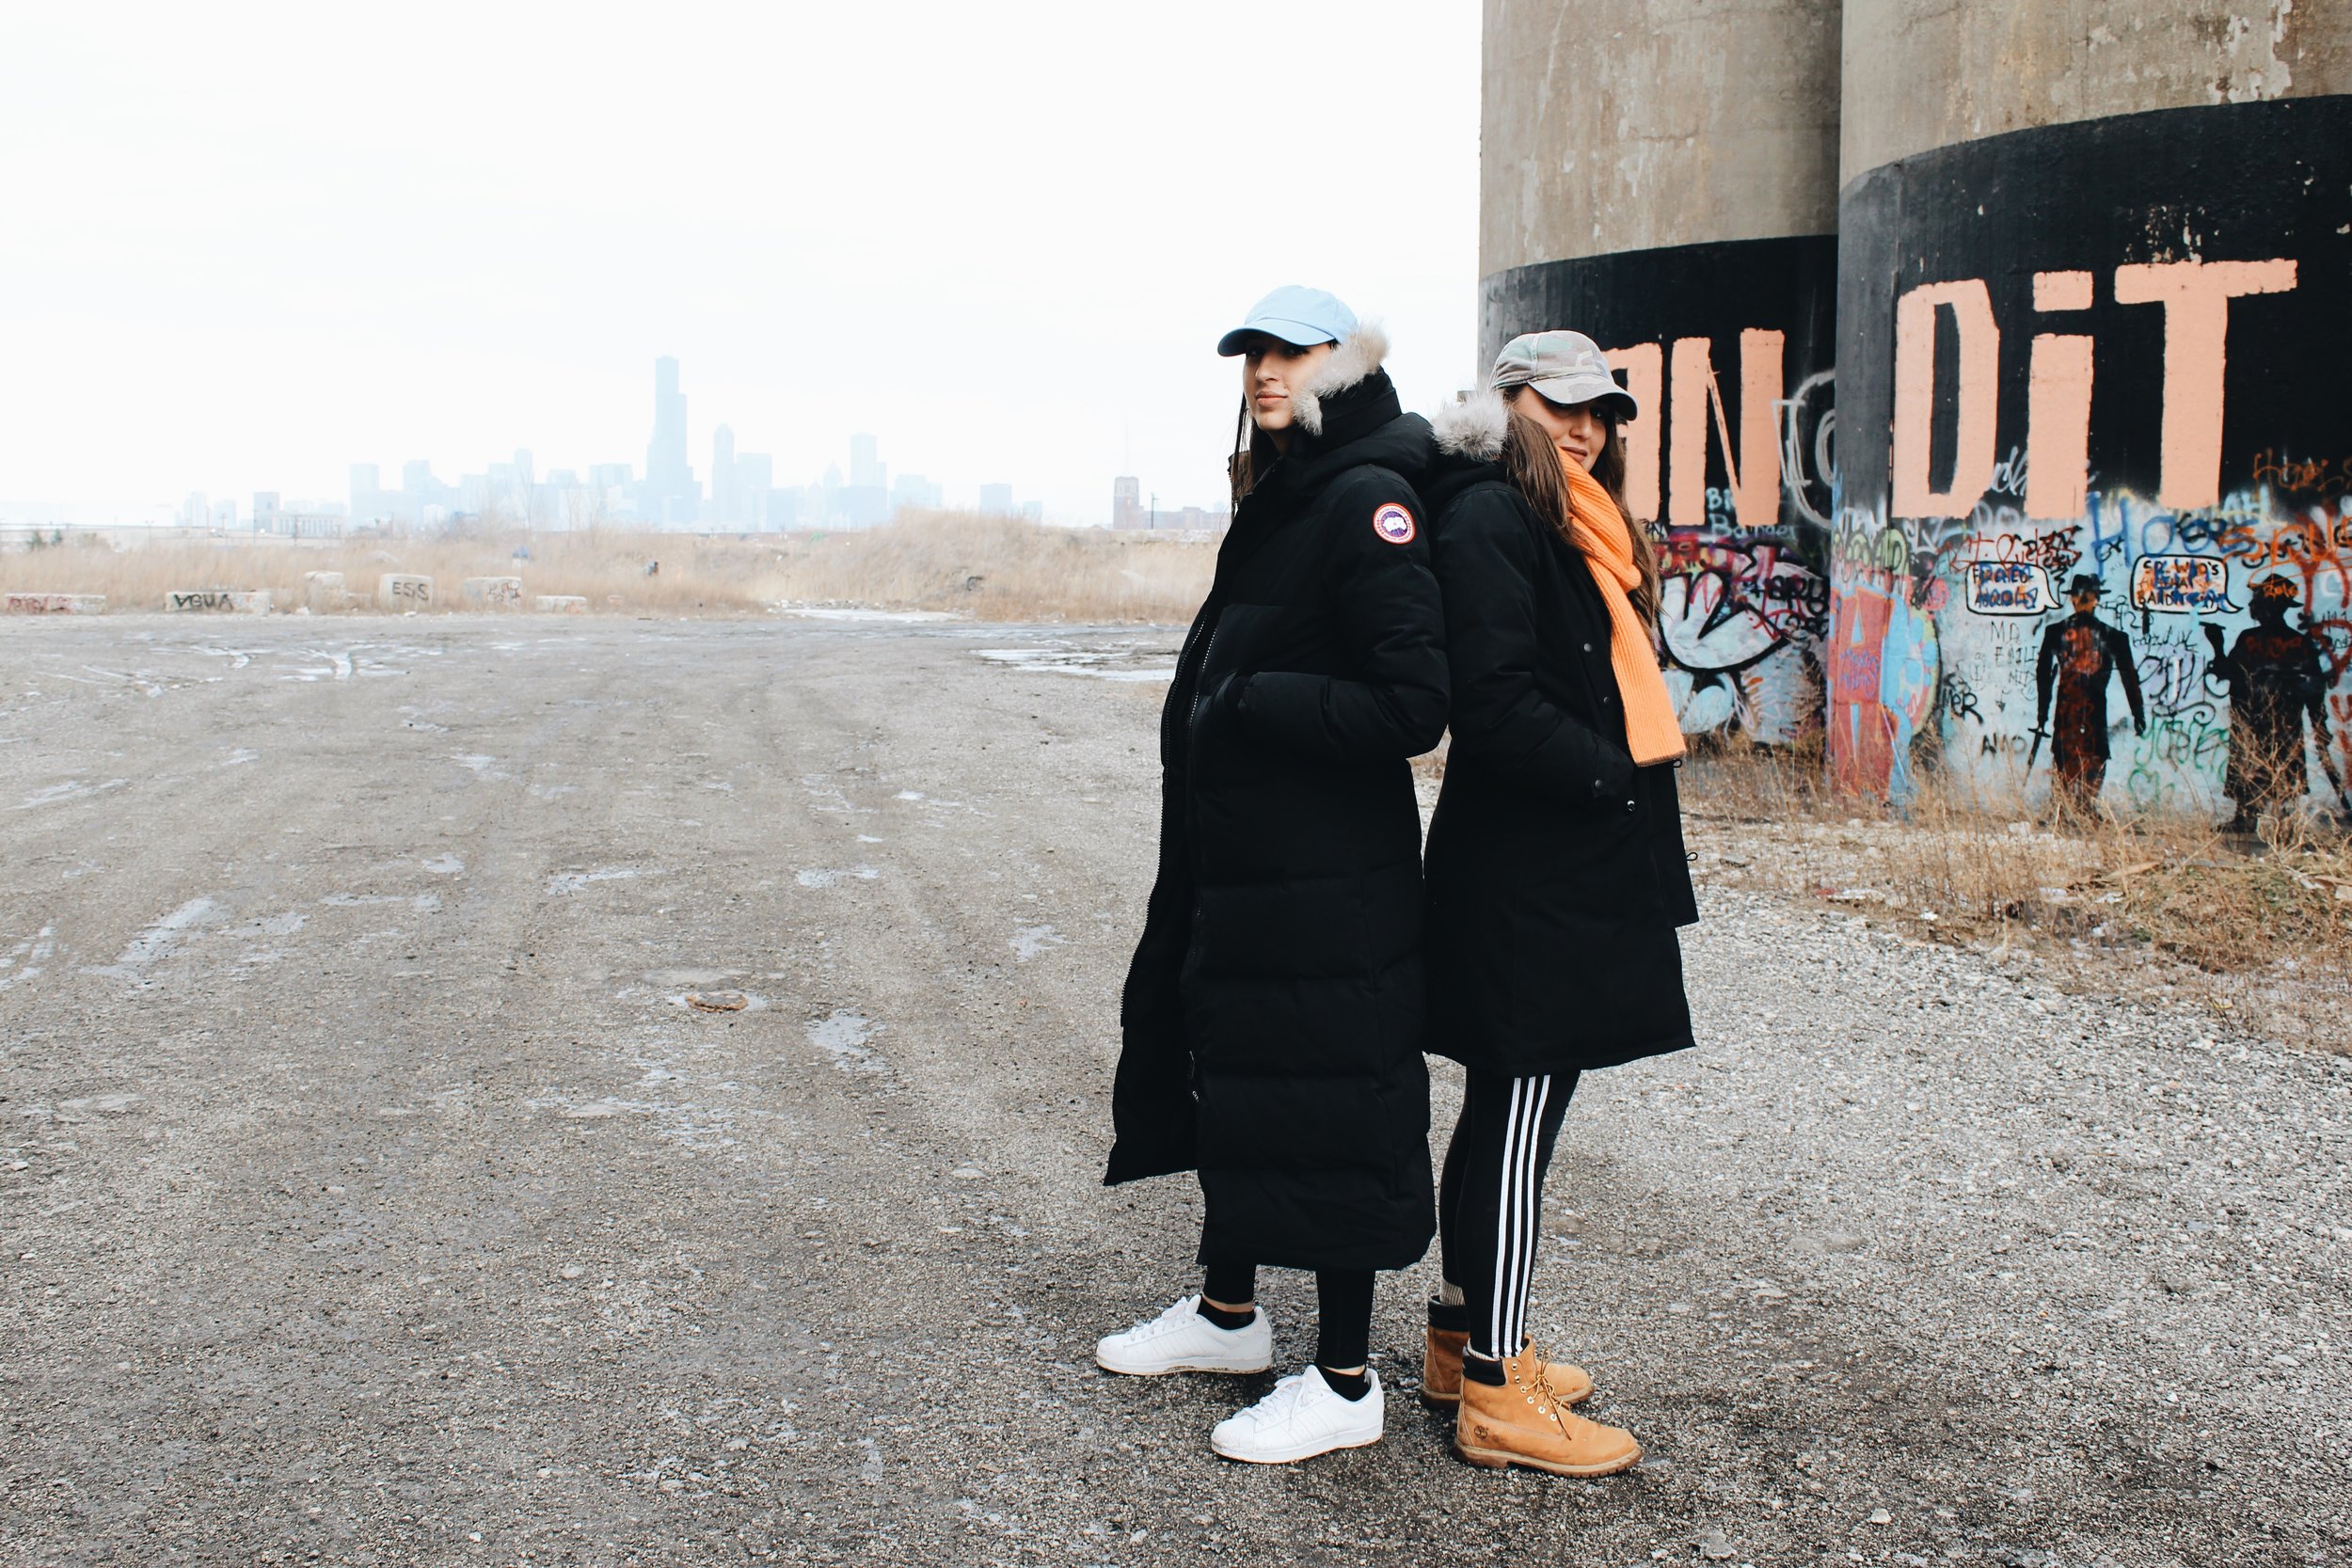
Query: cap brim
point(1296, 334)
point(1569, 390)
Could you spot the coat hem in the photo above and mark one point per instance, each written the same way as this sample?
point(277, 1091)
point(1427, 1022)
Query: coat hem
point(1517, 1064)
point(1285, 1258)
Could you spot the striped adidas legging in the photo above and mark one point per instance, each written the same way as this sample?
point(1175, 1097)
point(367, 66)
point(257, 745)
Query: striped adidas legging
point(1490, 1201)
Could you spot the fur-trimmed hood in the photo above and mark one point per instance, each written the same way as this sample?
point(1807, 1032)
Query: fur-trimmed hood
point(1351, 362)
point(1472, 427)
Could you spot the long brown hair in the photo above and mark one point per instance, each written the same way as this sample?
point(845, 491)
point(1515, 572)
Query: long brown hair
point(1533, 467)
point(1254, 451)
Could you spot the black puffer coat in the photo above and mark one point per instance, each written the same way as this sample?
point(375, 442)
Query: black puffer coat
point(1556, 870)
point(1273, 1013)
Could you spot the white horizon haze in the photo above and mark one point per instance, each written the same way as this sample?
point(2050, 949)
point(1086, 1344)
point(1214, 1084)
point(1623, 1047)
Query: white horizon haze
point(248, 245)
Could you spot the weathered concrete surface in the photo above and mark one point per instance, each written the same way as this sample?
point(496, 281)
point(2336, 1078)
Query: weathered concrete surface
point(560, 604)
point(491, 592)
point(1667, 122)
point(324, 592)
point(366, 1185)
point(403, 591)
point(53, 603)
point(1924, 73)
point(217, 601)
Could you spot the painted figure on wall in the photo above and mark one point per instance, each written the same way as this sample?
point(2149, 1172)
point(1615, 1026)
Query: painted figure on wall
point(2080, 656)
point(2274, 676)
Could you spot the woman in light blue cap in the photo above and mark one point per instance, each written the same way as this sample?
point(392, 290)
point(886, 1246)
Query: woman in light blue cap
point(1272, 1016)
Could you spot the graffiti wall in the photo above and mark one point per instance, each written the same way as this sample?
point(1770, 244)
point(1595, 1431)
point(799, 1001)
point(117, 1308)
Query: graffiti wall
point(2098, 537)
point(1727, 348)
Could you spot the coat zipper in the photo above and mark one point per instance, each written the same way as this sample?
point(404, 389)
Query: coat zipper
point(1207, 649)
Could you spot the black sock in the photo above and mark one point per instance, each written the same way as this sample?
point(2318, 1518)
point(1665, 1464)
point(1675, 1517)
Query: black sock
point(1448, 1318)
point(1220, 1317)
point(1480, 1369)
point(1350, 1386)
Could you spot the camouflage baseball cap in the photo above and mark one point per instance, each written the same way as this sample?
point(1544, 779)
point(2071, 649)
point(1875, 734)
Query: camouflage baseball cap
point(1565, 367)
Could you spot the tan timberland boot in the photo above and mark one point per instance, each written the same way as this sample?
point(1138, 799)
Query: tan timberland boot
point(1525, 1422)
point(1441, 1372)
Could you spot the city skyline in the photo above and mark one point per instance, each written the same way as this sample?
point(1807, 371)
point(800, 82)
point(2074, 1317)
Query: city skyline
point(740, 494)
point(470, 231)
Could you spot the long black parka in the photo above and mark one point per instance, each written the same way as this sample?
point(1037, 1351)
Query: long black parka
point(1272, 1016)
point(1556, 870)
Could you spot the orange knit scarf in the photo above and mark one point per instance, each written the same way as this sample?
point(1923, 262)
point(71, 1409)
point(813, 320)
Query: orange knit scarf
point(1598, 530)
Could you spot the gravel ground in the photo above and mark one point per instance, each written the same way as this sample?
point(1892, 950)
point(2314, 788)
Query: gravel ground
point(371, 1193)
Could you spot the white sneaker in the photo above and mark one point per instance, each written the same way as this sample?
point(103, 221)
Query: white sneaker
point(1301, 1418)
point(1181, 1341)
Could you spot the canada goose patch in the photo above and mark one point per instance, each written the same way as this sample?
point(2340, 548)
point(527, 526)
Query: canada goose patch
point(1394, 524)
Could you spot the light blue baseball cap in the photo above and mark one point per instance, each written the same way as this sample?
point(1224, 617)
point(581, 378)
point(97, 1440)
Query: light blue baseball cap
point(1300, 316)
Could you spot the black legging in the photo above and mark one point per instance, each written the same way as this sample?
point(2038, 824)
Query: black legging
point(1490, 1199)
point(1342, 1299)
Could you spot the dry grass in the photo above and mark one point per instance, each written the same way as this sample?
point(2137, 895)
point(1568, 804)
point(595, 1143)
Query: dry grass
point(990, 568)
point(1002, 569)
point(2127, 901)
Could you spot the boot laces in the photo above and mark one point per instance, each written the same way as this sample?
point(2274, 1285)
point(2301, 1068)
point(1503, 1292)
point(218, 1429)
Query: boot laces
point(1547, 1397)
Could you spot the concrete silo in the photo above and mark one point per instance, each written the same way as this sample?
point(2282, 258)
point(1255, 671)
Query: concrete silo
point(1661, 175)
point(2094, 308)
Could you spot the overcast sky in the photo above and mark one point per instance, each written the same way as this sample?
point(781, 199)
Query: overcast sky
point(243, 247)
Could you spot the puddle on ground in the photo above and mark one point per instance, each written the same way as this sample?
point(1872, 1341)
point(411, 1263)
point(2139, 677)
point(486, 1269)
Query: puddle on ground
point(1029, 940)
point(1109, 662)
point(842, 1035)
point(72, 789)
point(861, 612)
point(572, 882)
point(28, 957)
point(426, 901)
point(283, 924)
point(819, 877)
point(161, 937)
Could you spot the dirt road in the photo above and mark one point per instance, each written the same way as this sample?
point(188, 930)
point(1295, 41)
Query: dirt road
point(371, 1192)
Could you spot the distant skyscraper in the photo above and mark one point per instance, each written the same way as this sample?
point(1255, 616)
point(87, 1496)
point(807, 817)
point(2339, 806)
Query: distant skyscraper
point(265, 501)
point(1127, 502)
point(755, 477)
point(671, 493)
point(365, 486)
point(996, 499)
point(867, 472)
point(912, 491)
point(726, 506)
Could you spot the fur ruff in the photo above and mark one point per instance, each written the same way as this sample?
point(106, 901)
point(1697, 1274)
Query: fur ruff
point(1349, 363)
point(1472, 427)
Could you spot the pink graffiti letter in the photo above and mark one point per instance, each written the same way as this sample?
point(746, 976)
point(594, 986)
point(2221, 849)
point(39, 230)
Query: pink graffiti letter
point(1644, 366)
point(1693, 372)
point(1914, 397)
point(2196, 298)
point(1762, 380)
point(2057, 426)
